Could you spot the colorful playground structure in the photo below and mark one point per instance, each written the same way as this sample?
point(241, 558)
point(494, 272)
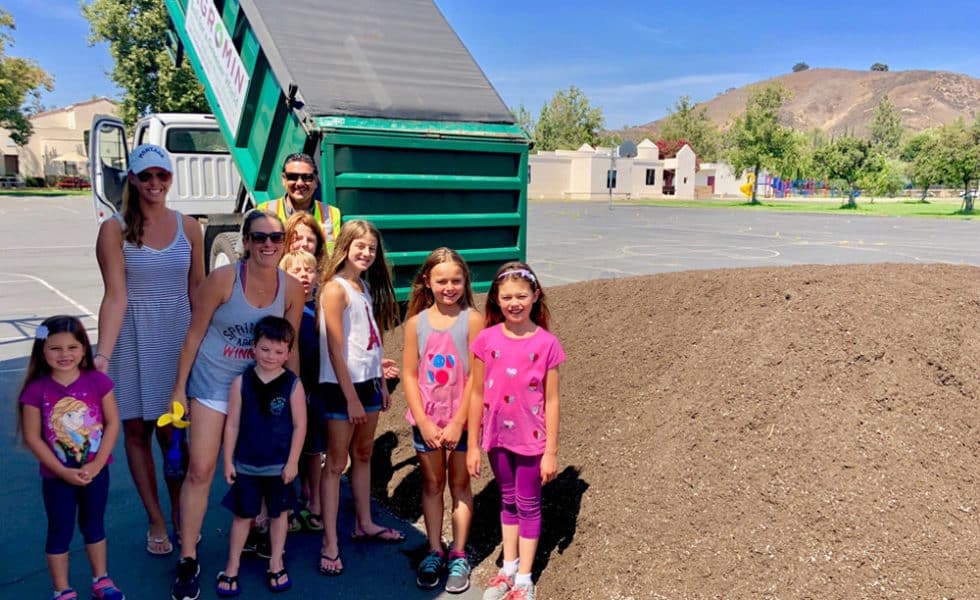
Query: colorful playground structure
point(771, 186)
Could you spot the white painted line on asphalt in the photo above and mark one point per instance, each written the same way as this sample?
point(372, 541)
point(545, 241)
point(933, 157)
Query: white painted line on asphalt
point(86, 312)
point(18, 248)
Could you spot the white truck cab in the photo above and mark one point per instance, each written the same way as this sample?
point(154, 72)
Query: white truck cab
point(206, 183)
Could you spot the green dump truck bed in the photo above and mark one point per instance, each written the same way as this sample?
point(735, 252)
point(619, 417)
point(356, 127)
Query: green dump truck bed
point(406, 128)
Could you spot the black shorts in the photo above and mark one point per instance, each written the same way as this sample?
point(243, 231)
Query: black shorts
point(316, 424)
point(335, 403)
point(245, 497)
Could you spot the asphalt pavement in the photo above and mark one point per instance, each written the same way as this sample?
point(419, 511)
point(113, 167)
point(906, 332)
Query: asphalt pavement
point(47, 266)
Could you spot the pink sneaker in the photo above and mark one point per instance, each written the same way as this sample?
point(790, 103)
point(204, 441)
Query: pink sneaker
point(105, 589)
point(498, 587)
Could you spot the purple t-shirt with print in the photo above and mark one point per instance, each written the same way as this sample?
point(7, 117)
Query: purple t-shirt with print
point(71, 416)
point(513, 387)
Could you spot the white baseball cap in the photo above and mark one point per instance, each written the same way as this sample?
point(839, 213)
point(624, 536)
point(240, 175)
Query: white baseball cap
point(145, 156)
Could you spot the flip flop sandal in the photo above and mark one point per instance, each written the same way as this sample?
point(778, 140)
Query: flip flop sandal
point(295, 524)
point(158, 546)
point(231, 581)
point(385, 535)
point(274, 583)
point(335, 560)
point(311, 521)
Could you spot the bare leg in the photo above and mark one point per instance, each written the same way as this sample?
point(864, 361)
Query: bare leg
point(362, 446)
point(528, 547)
point(459, 488)
point(433, 486)
point(97, 558)
point(58, 570)
point(205, 443)
point(338, 441)
point(315, 474)
point(509, 535)
point(277, 537)
point(139, 455)
point(236, 541)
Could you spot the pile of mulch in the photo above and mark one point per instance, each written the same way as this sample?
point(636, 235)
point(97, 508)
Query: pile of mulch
point(801, 432)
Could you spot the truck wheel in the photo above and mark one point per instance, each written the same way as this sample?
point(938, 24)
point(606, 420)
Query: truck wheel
point(224, 250)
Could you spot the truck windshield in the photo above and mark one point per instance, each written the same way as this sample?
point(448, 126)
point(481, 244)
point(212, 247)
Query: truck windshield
point(195, 141)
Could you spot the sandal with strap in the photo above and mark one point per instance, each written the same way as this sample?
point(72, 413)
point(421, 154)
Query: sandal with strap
point(311, 521)
point(231, 582)
point(275, 585)
point(335, 566)
point(158, 546)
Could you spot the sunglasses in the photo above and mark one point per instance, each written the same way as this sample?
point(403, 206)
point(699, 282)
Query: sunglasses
point(259, 237)
point(145, 176)
point(307, 177)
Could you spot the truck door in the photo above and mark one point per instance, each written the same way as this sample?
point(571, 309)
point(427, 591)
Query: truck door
point(108, 163)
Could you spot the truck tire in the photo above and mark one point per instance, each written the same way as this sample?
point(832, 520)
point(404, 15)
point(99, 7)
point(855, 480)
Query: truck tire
point(224, 250)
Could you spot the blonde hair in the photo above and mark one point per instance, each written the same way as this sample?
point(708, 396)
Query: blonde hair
point(63, 407)
point(297, 256)
point(377, 277)
point(421, 296)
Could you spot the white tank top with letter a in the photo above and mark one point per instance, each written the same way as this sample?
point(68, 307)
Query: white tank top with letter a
point(362, 343)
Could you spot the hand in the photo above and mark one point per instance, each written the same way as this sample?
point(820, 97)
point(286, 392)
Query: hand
point(450, 435)
point(74, 476)
point(389, 368)
point(289, 472)
point(230, 473)
point(385, 398)
point(549, 468)
point(473, 458)
point(430, 433)
point(91, 470)
point(355, 413)
point(180, 397)
point(101, 363)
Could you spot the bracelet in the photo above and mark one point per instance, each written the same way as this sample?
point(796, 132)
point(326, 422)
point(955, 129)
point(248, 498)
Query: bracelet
point(98, 354)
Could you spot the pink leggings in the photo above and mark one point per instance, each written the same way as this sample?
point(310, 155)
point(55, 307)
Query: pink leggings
point(519, 479)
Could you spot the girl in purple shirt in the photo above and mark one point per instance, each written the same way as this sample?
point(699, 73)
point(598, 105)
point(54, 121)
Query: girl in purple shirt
point(515, 402)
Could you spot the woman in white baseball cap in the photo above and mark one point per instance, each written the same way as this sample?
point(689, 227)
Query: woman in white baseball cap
point(151, 258)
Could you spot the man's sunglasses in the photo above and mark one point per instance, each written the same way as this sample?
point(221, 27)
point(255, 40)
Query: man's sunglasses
point(145, 176)
point(307, 177)
point(259, 237)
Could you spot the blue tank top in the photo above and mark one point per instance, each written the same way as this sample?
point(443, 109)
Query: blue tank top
point(265, 429)
point(226, 349)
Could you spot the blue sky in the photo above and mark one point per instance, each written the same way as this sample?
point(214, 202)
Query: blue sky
point(632, 59)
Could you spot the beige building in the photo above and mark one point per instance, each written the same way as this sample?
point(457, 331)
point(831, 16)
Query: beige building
point(58, 144)
point(592, 173)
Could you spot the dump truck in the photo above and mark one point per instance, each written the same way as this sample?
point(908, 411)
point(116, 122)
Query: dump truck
point(406, 129)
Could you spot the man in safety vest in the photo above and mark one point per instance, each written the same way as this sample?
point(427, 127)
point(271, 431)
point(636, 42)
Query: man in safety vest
point(299, 178)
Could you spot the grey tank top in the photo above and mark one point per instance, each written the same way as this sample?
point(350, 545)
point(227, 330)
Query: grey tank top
point(226, 349)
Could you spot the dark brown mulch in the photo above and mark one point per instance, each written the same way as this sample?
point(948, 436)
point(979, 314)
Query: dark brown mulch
point(802, 432)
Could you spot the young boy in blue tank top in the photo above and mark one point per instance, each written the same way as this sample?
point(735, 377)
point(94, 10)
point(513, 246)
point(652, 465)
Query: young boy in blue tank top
point(263, 438)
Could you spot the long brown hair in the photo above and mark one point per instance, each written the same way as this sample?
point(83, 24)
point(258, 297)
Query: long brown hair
point(378, 275)
point(517, 271)
point(421, 296)
point(132, 214)
point(37, 367)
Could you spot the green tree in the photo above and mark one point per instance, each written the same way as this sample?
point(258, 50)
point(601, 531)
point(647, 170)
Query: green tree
point(136, 31)
point(688, 122)
point(849, 159)
point(883, 178)
point(568, 121)
point(959, 156)
point(886, 128)
point(523, 117)
point(756, 139)
point(21, 83)
point(879, 67)
point(922, 158)
point(800, 66)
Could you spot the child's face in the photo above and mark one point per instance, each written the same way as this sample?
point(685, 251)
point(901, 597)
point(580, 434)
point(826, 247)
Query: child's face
point(446, 281)
point(305, 274)
point(63, 352)
point(271, 355)
point(516, 299)
point(362, 252)
point(304, 240)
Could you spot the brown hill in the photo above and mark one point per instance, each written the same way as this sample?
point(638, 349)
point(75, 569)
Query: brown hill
point(835, 100)
point(800, 432)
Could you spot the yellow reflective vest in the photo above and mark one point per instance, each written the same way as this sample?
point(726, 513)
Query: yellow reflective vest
point(326, 215)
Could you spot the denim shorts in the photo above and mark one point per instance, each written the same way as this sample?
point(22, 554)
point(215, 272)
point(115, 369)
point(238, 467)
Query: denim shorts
point(420, 446)
point(335, 403)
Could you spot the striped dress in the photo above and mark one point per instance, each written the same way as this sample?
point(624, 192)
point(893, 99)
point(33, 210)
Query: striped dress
point(158, 314)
